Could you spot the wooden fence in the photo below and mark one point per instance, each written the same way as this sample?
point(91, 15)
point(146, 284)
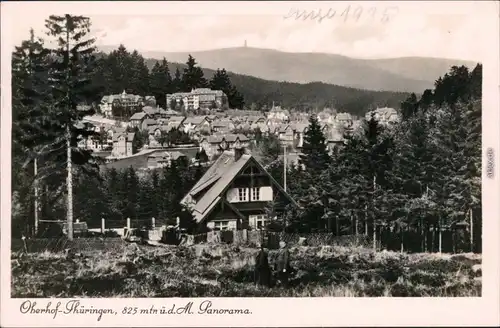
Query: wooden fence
point(60, 244)
point(272, 239)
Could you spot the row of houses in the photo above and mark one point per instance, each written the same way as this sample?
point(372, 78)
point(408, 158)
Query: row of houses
point(216, 132)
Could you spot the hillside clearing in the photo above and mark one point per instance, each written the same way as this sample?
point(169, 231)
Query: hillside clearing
point(222, 271)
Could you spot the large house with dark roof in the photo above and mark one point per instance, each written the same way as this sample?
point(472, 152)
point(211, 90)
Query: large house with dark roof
point(127, 101)
point(216, 144)
point(235, 193)
point(137, 119)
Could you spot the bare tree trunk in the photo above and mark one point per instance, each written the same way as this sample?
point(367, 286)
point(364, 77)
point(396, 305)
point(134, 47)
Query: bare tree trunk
point(421, 236)
point(433, 241)
point(471, 231)
point(402, 240)
point(426, 230)
point(366, 220)
point(374, 223)
point(337, 230)
point(36, 196)
point(453, 238)
point(374, 236)
point(69, 182)
point(355, 225)
point(328, 221)
point(440, 231)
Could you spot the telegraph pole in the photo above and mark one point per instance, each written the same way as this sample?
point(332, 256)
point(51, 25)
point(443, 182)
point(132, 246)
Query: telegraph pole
point(35, 172)
point(284, 170)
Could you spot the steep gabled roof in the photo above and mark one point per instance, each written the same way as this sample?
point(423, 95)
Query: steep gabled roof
point(138, 116)
point(176, 119)
point(194, 120)
point(223, 123)
point(218, 176)
point(300, 127)
point(150, 110)
point(216, 181)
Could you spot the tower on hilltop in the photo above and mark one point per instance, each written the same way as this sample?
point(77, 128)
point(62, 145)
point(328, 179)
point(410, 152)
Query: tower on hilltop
point(245, 45)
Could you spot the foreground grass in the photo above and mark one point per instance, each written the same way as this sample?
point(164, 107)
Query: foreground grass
point(222, 271)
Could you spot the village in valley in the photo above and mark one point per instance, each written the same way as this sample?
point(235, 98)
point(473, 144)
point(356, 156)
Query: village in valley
point(219, 130)
point(221, 184)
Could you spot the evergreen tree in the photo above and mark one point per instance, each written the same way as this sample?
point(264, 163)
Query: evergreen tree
point(220, 81)
point(409, 107)
point(113, 194)
point(413, 176)
point(453, 87)
point(70, 79)
point(476, 80)
point(117, 71)
point(314, 155)
point(176, 189)
point(176, 83)
point(144, 204)
point(473, 163)
point(426, 100)
point(90, 202)
point(161, 82)
point(193, 76)
point(30, 106)
point(139, 81)
point(131, 187)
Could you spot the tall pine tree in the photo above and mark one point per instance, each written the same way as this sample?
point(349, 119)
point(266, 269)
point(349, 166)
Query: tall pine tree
point(193, 76)
point(161, 82)
point(314, 155)
point(70, 78)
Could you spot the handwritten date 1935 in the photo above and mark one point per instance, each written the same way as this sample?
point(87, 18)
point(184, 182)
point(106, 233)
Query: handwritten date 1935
point(350, 13)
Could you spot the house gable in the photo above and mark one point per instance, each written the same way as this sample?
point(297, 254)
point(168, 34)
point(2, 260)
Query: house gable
point(211, 189)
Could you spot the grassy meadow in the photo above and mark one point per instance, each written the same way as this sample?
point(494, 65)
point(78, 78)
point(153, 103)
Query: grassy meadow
point(225, 271)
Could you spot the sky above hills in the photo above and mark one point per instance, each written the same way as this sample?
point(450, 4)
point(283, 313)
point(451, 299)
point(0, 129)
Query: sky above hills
point(439, 29)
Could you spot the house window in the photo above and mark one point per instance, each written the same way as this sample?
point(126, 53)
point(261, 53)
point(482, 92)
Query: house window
point(221, 225)
point(255, 193)
point(259, 221)
point(242, 194)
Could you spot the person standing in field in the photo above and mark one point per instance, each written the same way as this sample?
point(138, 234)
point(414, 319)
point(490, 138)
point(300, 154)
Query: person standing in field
point(283, 264)
point(262, 268)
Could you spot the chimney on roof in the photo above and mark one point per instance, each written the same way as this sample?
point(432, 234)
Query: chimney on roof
point(238, 152)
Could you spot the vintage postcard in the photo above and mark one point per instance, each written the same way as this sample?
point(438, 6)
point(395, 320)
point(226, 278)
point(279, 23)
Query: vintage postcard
point(250, 163)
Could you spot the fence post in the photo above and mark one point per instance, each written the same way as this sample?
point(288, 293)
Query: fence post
point(153, 222)
point(245, 236)
point(103, 225)
point(128, 223)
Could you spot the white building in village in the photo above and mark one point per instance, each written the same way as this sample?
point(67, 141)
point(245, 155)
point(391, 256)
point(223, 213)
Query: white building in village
point(198, 98)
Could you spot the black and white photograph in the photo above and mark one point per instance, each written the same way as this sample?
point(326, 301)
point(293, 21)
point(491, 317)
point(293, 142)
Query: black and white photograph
point(328, 150)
